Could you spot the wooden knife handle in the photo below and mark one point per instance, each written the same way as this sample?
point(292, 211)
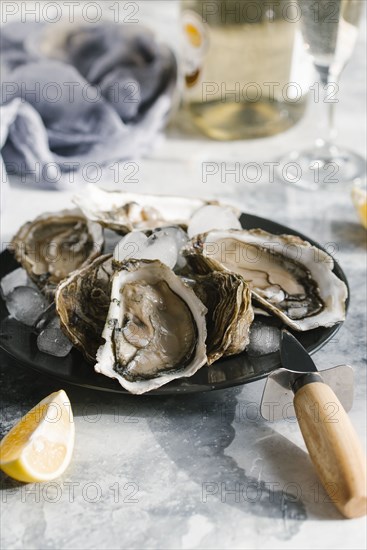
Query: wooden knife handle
point(333, 446)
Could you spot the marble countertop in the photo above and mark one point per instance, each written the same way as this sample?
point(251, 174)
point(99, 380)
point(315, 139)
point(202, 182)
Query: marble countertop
point(200, 471)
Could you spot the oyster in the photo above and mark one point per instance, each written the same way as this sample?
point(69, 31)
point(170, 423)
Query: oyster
point(55, 244)
point(228, 301)
point(124, 212)
point(82, 302)
point(155, 330)
point(287, 276)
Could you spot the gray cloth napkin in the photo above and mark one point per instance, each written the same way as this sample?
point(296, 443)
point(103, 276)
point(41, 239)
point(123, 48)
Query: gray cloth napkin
point(73, 95)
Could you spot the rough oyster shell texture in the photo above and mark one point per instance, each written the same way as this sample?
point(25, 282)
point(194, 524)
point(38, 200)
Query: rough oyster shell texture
point(82, 303)
point(287, 276)
point(228, 301)
point(124, 212)
point(55, 244)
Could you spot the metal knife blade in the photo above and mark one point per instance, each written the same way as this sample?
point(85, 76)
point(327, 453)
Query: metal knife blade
point(293, 355)
point(297, 370)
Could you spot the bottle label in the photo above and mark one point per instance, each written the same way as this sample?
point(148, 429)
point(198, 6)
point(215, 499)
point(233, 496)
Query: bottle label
point(196, 42)
point(246, 62)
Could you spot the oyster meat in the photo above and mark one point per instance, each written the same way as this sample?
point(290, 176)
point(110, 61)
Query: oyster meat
point(82, 303)
point(55, 244)
point(287, 276)
point(124, 212)
point(155, 330)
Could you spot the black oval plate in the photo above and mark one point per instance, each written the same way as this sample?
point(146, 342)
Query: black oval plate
point(19, 341)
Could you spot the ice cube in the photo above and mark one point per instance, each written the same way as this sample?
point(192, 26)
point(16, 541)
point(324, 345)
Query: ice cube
point(130, 246)
point(180, 236)
point(158, 246)
point(16, 278)
point(212, 217)
point(264, 339)
point(26, 304)
point(161, 247)
point(53, 341)
point(174, 231)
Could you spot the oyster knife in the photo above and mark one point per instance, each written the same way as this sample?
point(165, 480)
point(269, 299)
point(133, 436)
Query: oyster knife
point(330, 438)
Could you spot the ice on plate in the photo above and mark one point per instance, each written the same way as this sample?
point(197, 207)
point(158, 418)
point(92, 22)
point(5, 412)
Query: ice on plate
point(163, 244)
point(179, 236)
point(26, 304)
point(16, 278)
point(53, 341)
point(212, 217)
point(264, 339)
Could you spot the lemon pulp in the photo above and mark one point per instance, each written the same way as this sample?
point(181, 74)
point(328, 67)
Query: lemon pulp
point(39, 447)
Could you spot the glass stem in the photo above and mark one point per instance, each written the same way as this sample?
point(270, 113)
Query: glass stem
point(327, 141)
point(331, 123)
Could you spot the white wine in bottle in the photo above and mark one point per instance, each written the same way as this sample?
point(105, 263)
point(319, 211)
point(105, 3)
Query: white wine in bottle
point(245, 69)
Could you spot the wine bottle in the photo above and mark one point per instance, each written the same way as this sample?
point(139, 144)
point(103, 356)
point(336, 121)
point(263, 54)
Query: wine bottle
point(245, 69)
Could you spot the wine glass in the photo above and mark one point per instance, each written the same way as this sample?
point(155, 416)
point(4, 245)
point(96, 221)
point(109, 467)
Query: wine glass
point(329, 29)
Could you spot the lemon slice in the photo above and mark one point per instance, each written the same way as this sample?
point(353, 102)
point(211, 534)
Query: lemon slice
point(359, 197)
point(39, 447)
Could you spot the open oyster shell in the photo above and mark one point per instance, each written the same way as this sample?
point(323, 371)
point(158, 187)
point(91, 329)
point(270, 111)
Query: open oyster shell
point(82, 303)
point(155, 330)
point(124, 212)
point(55, 244)
point(228, 301)
point(287, 276)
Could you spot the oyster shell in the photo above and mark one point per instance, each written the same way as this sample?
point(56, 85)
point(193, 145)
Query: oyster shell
point(287, 276)
point(82, 303)
point(124, 212)
point(228, 301)
point(155, 330)
point(55, 244)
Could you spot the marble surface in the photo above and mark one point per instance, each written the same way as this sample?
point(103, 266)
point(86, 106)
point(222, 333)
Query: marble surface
point(200, 471)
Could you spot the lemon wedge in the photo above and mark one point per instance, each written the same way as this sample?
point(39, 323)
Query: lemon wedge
point(359, 197)
point(39, 447)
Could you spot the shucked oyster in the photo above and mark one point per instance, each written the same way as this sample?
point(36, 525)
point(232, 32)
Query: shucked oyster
point(287, 276)
point(82, 303)
point(155, 330)
point(228, 301)
point(124, 212)
point(83, 300)
point(55, 244)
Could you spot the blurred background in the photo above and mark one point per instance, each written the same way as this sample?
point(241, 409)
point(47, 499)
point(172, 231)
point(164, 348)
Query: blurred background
point(246, 88)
